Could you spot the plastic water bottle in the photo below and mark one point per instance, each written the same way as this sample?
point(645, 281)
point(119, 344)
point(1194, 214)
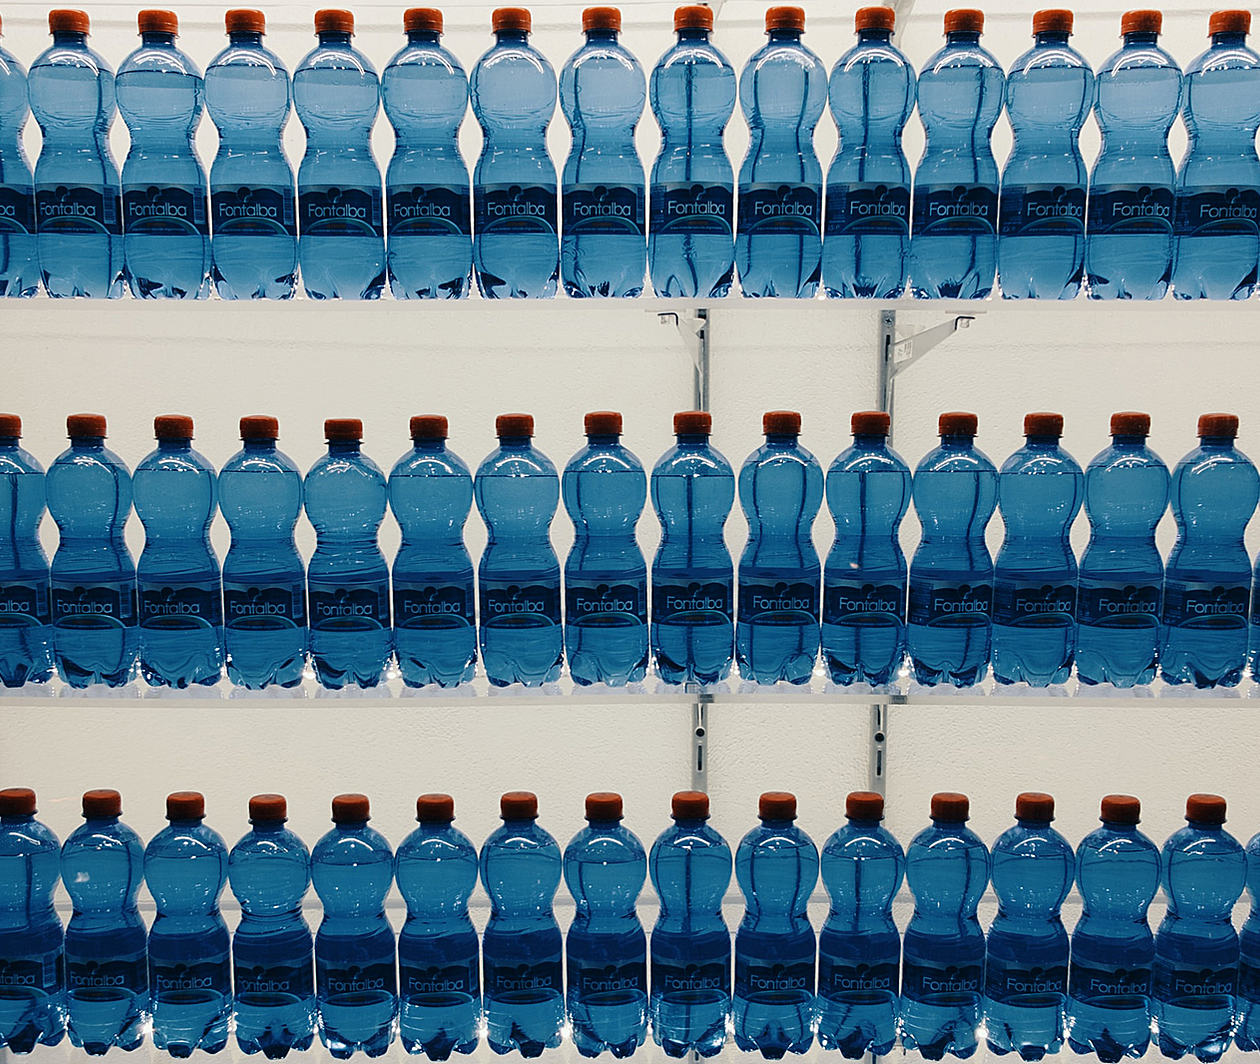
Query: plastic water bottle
point(1207, 588)
point(605, 576)
point(1026, 965)
point(1203, 872)
point(691, 199)
point(521, 952)
point(264, 580)
point(19, 257)
point(1129, 220)
point(693, 578)
point(517, 489)
point(516, 250)
point(341, 248)
point(951, 573)
point(690, 864)
point(603, 249)
point(1217, 222)
point(1122, 574)
point(107, 978)
point(1040, 489)
point(356, 984)
point(1247, 1032)
point(347, 579)
point(953, 240)
point(1109, 984)
point(32, 965)
point(190, 973)
point(25, 619)
point(859, 949)
point(777, 868)
point(78, 207)
point(872, 89)
point(1041, 211)
point(438, 962)
point(252, 202)
point(166, 228)
point(93, 579)
point(270, 873)
point(424, 91)
point(605, 950)
point(780, 491)
point(942, 974)
point(181, 604)
point(435, 619)
point(864, 583)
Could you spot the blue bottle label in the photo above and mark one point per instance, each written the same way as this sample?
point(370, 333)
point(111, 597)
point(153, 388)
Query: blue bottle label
point(591, 979)
point(117, 603)
point(27, 602)
point(692, 209)
point(1131, 210)
point(165, 210)
point(515, 210)
point(77, 210)
point(868, 209)
point(1086, 983)
point(159, 605)
point(1204, 602)
point(922, 981)
point(844, 601)
point(1014, 603)
point(613, 210)
point(838, 979)
point(45, 972)
point(438, 981)
point(771, 208)
point(1249, 981)
point(428, 210)
point(1170, 984)
point(1218, 211)
point(260, 606)
point(1118, 605)
point(757, 600)
point(762, 975)
point(122, 973)
point(17, 210)
point(420, 605)
point(511, 603)
point(689, 603)
point(504, 980)
point(931, 603)
point(955, 210)
point(1042, 210)
point(214, 975)
point(349, 607)
point(1003, 981)
point(260, 210)
point(355, 979)
point(691, 978)
point(331, 210)
point(593, 601)
point(264, 982)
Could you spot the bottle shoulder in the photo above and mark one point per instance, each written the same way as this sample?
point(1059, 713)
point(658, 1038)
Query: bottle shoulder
point(867, 460)
point(517, 837)
point(186, 841)
point(441, 60)
point(351, 846)
point(688, 461)
point(335, 57)
point(1223, 59)
point(953, 56)
point(956, 460)
point(1041, 461)
point(77, 55)
point(426, 844)
point(248, 55)
point(603, 459)
point(19, 461)
point(1022, 840)
point(94, 836)
point(345, 464)
point(695, 53)
point(79, 460)
point(1133, 60)
point(158, 59)
point(857, 842)
point(263, 845)
point(188, 462)
point(274, 462)
point(1041, 57)
point(517, 462)
point(422, 464)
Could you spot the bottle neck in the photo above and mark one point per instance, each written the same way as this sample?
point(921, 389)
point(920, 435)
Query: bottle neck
point(9, 443)
point(186, 822)
point(520, 821)
point(782, 439)
point(423, 37)
point(784, 36)
point(152, 37)
point(260, 446)
point(1057, 37)
point(515, 443)
point(690, 822)
point(1038, 825)
point(1205, 825)
point(870, 440)
point(599, 440)
point(864, 823)
point(14, 821)
point(1119, 825)
point(338, 37)
point(1125, 440)
point(350, 825)
point(1042, 441)
point(873, 34)
point(267, 827)
point(88, 443)
point(1217, 441)
point(344, 446)
point(962, 37)
point(101, 821)
point(429, 446)
point(1229, 40)
point(687, 439)
point(958, 443)
point(955, 825)
point(693, 33)
point(1141, 37)
point(779, 823)
point(245, 37)
point(511, 37)
point(70, 37)
point(601, 36)
point(435, 825)
point(603, 824)
point(175, 446)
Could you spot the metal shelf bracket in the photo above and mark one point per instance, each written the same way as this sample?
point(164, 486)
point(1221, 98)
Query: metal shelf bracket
point(898, 355)
point(693, 329)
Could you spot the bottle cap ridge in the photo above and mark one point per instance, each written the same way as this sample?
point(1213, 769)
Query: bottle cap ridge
point(958, 423)
point(964, 20)
point(693, 423)
point(343, 428)
point(951, 807)
point(435, 808)
point(154, 20)
point(245, 20)
point(777, 805)
point(334, 20)
point(1121, 809)
point(1033, 805)
point(781, 423)
point(690, 805)
point(264, 807)
point(185, 805)
point(102, 804)
point(423, 19)
point(10, 425)
point(68, 20)
point(89, 425)
point(1130, 423)
point(875, 18)
point(512, 18)
point(518, 805)
point(1043, 424)
point(870, 423)
point(429, 427)
point(260, 427)
point(351, 809)
point(514, 425)
point(1206, 808)
point(864, 805)
point(1229, 22)
point(1052, 20)
point(17, 801)
point(1144, 21)
point(1218, 425)
point(785, 18)
point(601, 18)
point(693, 17)
point(604, 805)
point(173, 427)
point(602, 423)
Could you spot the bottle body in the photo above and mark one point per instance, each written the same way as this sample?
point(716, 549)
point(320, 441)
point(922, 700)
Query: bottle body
point(26, 654)
point(1247, 1034)
point(19, 255)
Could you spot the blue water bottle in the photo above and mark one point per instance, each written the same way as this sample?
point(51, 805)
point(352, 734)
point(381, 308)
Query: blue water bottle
point(435, 620)
point(859, 949)
point(605, 576)
point(1026, 963)
point(1040, 488)
point(32, 961)
point(1129, 220)
point(181, 603)
point(25, 619)
point(1121, 573)
point(1247, 1033)
point(953, 239)
point(341, 246)
point(19, 257)
point(190, 973)
point(690, 864)
point(356, 984)
point(1217, 217)
point(951, 574)
point(78, 206)
point(516, 249)
point(264, 580)
point(253, 208)
point(1207, 587)
point(605, 950)
point(872, 89)
point(522, 959)
point(93, 579)
point(780, 491)
point(603, 248)
point(942, 975)
point(517, 489)
point(166, 230)
point(107, 977)
point(439, 984)
point(864, 583)
point(347, 579)
point(1203, 873)
point(777, 868)
point(1109, 984)
point(424, 91)
point(691, 198)
point(272, 967)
